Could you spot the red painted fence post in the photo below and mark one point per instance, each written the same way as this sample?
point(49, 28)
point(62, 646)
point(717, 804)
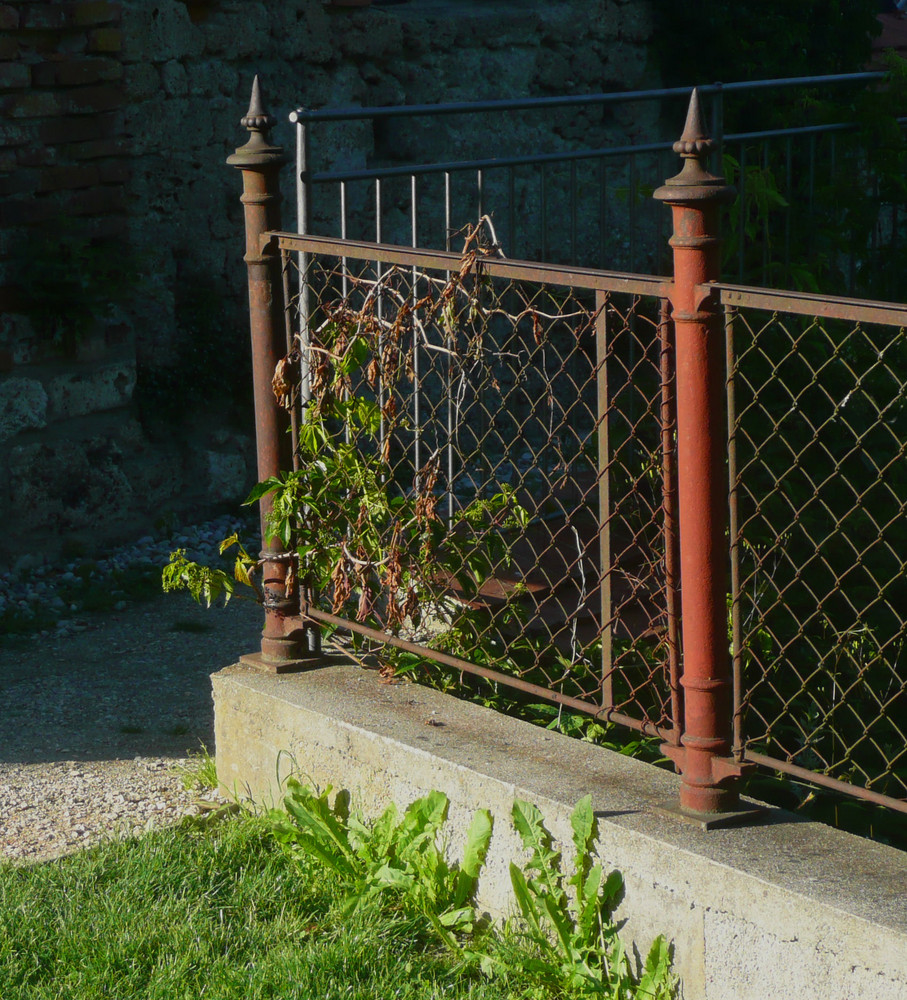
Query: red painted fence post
point(260, 163)
point(708, 772)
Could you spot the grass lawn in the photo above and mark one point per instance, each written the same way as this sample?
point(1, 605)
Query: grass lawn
point(221, 914)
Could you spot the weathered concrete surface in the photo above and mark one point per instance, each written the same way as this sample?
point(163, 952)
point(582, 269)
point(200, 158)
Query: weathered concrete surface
point(783, 909)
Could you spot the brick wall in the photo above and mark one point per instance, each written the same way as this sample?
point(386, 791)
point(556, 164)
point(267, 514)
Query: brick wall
point(123, 336)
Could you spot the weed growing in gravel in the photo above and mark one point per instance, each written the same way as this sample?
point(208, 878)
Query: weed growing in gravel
point(199, 771)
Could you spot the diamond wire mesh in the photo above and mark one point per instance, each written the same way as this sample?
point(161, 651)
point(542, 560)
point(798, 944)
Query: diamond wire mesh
point(489, 393)
point(821, 546)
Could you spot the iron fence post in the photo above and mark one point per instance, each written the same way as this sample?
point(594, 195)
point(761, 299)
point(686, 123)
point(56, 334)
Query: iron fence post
point(708, 772)
point(260, 163)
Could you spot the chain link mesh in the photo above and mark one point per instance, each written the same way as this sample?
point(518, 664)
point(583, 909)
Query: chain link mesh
point(819, 542)
point(514, 513)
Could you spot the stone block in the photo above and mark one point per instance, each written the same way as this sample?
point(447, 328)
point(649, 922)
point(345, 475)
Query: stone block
point(77, 393)
point(140, 80)
point(14, 75)
point(105, 40)
point(68, 485)
point(92, 99)
point(23, 406)
point(228, 477)
point(9, 17)
point(160, 31)
point(173, 77)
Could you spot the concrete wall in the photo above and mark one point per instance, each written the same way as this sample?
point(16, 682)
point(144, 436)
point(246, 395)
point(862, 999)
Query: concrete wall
point(123, 371)
point(782, 908)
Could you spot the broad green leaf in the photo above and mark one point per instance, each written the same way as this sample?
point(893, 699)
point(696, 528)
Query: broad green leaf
point(477, 840)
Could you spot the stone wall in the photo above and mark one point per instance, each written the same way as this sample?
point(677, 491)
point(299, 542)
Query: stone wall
point(123, 340)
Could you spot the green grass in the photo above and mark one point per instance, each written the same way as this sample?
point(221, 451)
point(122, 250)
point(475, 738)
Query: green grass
point(221, 914)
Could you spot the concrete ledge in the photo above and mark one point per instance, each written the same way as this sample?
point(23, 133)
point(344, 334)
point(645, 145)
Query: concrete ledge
point(785, 908)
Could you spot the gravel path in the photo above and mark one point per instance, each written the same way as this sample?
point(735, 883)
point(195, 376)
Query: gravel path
point(96, 719)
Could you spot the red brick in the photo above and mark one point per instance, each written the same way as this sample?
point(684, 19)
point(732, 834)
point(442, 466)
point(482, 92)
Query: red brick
point(17, 133)
point(105, 226)
point(19, 182)
point(70, 72)
point(42, 16)
point(114, 171)
point(30, 104)
point(36, 155)
point(87, 12)
point(95, 148)
point(80, 128)
point(68, 178)
point(105, 40)
point(105, 200)
point(28, 212)
point(9, 18)
point(14, 75)
point(9, 48)
point(100, 97)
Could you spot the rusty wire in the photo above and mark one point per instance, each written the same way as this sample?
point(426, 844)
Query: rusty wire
point(818, 431)
point(558, 394)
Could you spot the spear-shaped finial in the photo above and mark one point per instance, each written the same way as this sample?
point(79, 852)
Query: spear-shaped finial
point(693, 146)
point(693, 141)
point(256, 119)
point(258, 151)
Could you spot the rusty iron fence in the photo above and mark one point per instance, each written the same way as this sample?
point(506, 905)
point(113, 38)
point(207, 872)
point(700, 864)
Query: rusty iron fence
point(531, 470)
point(591, 205)
point(817, 404)
point(530, 408)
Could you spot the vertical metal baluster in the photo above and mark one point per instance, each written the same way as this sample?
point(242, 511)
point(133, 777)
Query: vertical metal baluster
point(741, 216)
point(765, 240)
point(789, 178)
point(480, 192)
point(288, 324)
point(543, 213)
point(417, 401)
point(379, 313)
point(730, 314)
point(345, 282)
point(303, 217)
point(634, 213)
point(573, 212)
point(451, 426)
point(602, 210)
point(669, 505)
point(511, 217)
point(604, 498)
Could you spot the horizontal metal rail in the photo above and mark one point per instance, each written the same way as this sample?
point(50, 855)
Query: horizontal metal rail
point(520, 270)
point(807, 304)
point(581, 100)
point(564, 156)
point(609, 715)
point(824, 781)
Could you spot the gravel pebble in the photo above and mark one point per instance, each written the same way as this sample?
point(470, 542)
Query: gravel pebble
point(100, 712)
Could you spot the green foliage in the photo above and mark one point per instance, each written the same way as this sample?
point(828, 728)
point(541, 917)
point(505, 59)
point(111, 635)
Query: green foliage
point(574, 937)
point(398, 862)
point(208, 584)
point(211, 911)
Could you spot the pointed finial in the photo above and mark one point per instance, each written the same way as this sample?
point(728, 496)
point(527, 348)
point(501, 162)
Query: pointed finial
point(694, 181)
point(258, 151)
point(694, 141)
point(256, 119)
